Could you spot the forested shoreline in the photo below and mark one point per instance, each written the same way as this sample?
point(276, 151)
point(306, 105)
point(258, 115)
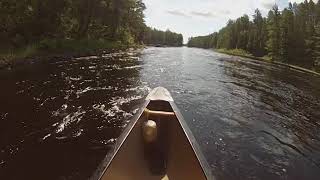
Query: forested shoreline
point(163, 38)
point(27, 22)
point(290, 36)
point(30, 28)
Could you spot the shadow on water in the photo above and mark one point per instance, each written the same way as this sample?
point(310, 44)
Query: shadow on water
point(253, 120)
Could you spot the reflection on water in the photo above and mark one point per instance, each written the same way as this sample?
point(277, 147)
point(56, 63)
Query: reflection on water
point(253, 120)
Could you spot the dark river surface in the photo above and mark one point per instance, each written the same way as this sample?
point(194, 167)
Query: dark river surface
point(253, 120)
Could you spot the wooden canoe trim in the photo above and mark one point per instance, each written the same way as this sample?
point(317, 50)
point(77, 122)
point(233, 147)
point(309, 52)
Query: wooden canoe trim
point(159, 113)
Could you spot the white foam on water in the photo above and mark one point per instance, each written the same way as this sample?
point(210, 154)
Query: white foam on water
point(139, 89)
point(45, 137)
point(111, 112)
point(110, 141)
point(134, 58)
point(76, 78)
point(133, 67)
point(131, 53)
point(78, 133)
point(70, 118)
point(64, 106)
point(61, 137)
point(2, 162)
point(115, 109)
point(55, 124)
point(13, 150)
point(20, 92)
point(116, 66)
point(46, 82)
point(108, 112)
point(87, 58)
point(135, 111)
point(36, 99)
point(107, 55)
point(47, 99)
point(87, 89)
point(230, 121)
point(121, 100)
point(112, 67)
point(4, 116)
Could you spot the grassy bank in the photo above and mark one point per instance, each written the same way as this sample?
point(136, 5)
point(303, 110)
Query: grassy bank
point(245, 54)
point(50, 48)
point(241, 53)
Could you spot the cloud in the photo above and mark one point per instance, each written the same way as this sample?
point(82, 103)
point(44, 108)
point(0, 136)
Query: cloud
point(203, 14)
point(177, 13)
point(300, 1)
point(267, 4)
point(297, 1)
point(201, 17)
point(210, 14)
point(226, 12)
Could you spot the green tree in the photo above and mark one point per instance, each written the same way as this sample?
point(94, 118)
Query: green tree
point(290, 35)
point(258, 34)
point(167, 38)
point(317, 12)
point(274, 35)
point(286, 36)
point(315, 52)
point(30, 21)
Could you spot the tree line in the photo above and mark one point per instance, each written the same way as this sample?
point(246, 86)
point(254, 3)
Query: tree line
point(291, 35)
point(24, 22)
point(158, 37)
point(27, 21)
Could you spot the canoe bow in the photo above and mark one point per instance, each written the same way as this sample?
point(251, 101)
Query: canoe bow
point(156, 145)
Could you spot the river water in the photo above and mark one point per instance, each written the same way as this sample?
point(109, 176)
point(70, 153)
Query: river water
point(252, 120)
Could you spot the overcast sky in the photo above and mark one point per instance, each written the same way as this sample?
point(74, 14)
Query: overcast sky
point(202, 17)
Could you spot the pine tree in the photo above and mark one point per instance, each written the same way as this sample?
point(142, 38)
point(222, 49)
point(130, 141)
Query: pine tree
point(286, 36)
point(274, 35)
point(309, 10)
point(258, 34)
point(317, 14)
point(316, 46)
point(291, 36)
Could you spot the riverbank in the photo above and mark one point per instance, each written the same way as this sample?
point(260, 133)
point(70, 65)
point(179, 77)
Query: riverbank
point(51, 49)
point(243, 53)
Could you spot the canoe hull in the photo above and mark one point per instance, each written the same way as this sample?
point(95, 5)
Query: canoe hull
point(178, 151)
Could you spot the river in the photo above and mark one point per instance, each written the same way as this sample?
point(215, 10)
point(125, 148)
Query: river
point(252, 120)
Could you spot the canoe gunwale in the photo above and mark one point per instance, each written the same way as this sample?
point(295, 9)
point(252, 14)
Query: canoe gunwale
point(193, 143)
point(102, 168)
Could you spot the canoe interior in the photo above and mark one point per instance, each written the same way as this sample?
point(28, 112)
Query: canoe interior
point(175, 155)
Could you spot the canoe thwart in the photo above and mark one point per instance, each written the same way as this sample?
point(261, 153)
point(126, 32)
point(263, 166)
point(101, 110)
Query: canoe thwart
point(158, 113)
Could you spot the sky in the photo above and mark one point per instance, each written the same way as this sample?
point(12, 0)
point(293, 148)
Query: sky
point(202, 17)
